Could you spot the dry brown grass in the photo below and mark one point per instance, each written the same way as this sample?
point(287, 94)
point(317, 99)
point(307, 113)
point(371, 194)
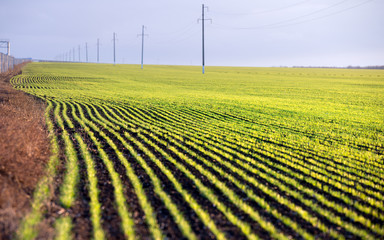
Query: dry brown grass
point(24, 151)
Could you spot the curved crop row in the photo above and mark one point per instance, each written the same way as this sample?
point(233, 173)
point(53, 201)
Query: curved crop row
point(141, 164)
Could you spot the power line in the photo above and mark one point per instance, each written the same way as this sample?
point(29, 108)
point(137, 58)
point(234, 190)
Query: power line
point(186, 34)
point(189, 36)
point(287, 21)
point(327, 15)
point(181, 30)
point(309, 14)
point(262, 12)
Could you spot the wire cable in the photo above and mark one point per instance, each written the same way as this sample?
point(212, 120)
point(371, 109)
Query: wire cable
point(262, 12)
point(287, 21)
point(327, 15)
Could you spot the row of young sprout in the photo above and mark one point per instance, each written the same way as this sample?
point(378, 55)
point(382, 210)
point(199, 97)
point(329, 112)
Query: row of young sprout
point(312, 165)
point(123, 209)
point(203, 136)
point(233, 197)
point(341, 211)
point(377, 203)
point(319, 164)
point(205, 217)
point(297, 228)
point(342, 134)
point(158, 186)
point(40, 78)
point(312, 171)
point(63, 82)
point(205, 191)
point(29, 226)
point(277, 124)
point(40, 82)
point(355, 165)
point(221, 144)
point(30, 81)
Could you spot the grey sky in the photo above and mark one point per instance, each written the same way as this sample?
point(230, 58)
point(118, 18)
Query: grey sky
point(243, 32)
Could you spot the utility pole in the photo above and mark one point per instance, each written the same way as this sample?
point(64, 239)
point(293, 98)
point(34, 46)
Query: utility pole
point(86, 52)
point(98, 44)
point(114, 48)
point(79, 54)
point(142, 45)
point(74, 53)
point(203, 19)
point(9, 48)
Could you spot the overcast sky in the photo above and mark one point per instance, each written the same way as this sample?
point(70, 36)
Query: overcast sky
point(242, 33)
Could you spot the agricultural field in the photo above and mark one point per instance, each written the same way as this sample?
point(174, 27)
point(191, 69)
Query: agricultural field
point(238, 153)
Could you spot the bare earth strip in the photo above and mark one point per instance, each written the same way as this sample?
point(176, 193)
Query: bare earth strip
point(24, 151)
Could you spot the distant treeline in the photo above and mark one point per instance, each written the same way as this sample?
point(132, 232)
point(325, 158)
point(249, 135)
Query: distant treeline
point(367, 67)
point(348, 67)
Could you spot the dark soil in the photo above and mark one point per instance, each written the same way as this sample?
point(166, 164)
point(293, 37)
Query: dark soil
point(24, 151)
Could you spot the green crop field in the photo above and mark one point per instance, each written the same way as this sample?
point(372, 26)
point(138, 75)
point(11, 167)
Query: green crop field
point(238, 153)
